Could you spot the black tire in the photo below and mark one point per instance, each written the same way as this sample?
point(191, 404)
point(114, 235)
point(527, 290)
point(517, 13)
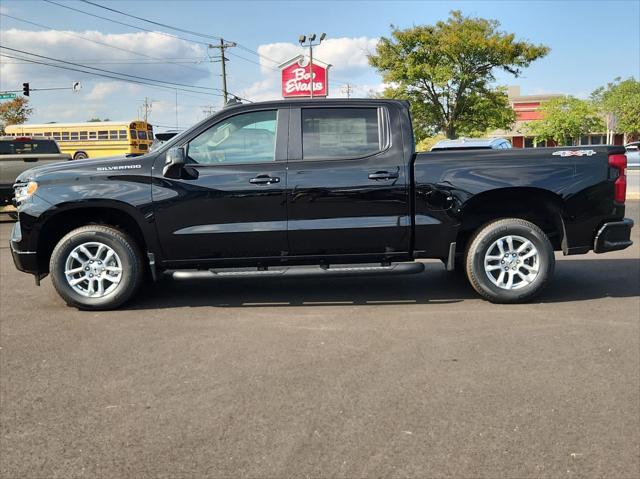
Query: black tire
point(80, 155)
point(485, 238)
point(127, 251)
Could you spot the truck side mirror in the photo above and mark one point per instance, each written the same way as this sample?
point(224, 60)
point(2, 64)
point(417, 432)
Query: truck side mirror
point(175, 159)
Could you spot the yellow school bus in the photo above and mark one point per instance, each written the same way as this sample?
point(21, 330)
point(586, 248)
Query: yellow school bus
point(92, 139)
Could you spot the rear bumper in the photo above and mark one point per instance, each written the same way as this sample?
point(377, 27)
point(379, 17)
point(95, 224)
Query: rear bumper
point(613, 236)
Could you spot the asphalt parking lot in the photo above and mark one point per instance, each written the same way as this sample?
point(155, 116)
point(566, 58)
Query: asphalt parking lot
point(354, 377)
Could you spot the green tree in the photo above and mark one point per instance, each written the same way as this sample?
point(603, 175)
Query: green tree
point(96, 119)
point(565, 120)
point(447, 70)
point(427, 142)
point(622, 99)
point(14, 112)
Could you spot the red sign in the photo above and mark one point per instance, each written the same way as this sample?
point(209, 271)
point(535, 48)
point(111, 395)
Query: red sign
point(296, 79)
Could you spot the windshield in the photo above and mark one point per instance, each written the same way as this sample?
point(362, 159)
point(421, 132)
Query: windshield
point(28, 147)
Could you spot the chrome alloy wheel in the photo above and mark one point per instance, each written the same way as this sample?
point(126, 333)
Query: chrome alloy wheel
point(93, 269)
point(512, 262)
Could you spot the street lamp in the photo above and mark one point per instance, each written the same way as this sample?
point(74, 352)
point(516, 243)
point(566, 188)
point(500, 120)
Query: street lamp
point(310, 39)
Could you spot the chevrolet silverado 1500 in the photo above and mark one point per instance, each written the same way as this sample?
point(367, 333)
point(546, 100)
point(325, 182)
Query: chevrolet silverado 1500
point(316, 186)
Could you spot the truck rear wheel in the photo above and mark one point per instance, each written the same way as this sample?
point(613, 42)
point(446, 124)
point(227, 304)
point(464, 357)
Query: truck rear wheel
point(509, 261)
point(96, 267)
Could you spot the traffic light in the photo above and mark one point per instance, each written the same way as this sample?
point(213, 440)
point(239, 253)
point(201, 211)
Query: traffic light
point(25, 89)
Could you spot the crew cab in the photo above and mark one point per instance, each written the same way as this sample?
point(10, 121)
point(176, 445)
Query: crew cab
point(315, 186)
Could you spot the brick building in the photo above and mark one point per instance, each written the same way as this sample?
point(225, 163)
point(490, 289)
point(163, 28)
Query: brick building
point(526, 108)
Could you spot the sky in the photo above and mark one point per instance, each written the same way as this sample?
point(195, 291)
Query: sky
point(592, 42)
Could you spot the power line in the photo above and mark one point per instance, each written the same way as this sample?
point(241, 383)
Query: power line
point(145, 80)
point(153, 31)
point(177, 29)
point(91, 40)
point(190, 32)
point(123, 23)
point(150, 85)
point(134, 63)
point(252, 61)
point(109, 71)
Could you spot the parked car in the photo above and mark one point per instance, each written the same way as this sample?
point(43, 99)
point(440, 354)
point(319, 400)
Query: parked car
point(297, 187)
point(633, 154)
point(472, 144)
point(18, 154)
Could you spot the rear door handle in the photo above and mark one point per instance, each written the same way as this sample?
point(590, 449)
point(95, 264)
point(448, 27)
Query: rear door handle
point(264, 180)
point(383, 175)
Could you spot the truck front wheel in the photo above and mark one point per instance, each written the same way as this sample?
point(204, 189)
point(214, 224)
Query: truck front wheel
point(96, 267)
point(509, 261)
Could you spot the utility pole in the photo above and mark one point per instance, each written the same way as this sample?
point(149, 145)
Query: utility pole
point(146, 107)
point(223, 46)
point(208, 110)
point(176, 109)
point(347, 89)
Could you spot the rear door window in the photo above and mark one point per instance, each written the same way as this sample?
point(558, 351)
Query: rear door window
point(340, 133)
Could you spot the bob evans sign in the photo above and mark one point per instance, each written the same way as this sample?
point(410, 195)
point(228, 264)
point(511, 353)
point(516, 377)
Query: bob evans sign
point(296, 78)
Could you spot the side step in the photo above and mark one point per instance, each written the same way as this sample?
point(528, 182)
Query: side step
point(297, 271)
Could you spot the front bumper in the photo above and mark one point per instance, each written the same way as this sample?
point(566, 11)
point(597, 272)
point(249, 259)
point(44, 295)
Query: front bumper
point(26, 261)
point(613, 236)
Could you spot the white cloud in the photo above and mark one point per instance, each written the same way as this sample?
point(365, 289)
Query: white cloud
point(345, 54)
point(271, 54)
point(347, 57)
point(66, 45)
point(103, 89)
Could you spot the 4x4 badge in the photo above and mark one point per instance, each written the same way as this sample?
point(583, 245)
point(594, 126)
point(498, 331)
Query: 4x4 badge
point(564, 153)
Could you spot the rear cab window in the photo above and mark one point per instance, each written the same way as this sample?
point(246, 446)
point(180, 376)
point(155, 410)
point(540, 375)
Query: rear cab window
point(342, 133)
point(28, 147)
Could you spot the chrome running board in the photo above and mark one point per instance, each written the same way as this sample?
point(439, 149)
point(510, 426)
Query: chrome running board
point(289, 271)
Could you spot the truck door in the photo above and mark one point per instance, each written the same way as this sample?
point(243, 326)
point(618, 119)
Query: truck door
point(348, 187)
point(230, 201)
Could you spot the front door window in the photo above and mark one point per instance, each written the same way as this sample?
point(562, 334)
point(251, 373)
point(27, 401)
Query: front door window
point(245, 138)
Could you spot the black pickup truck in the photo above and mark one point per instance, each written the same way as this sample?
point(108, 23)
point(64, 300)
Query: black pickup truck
point(315, 186)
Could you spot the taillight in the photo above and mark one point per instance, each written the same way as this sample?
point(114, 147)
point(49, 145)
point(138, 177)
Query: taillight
point(619, 162)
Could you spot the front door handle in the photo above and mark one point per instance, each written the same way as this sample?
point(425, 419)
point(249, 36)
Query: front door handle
point(383, 175)
point(264, 180)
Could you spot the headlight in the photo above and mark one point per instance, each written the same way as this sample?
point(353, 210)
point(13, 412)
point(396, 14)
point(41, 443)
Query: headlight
point(25, 191)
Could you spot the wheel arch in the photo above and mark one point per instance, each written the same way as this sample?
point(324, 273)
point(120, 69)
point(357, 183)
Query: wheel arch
point(539, 206)
point(76, 155)
point(109, 213)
